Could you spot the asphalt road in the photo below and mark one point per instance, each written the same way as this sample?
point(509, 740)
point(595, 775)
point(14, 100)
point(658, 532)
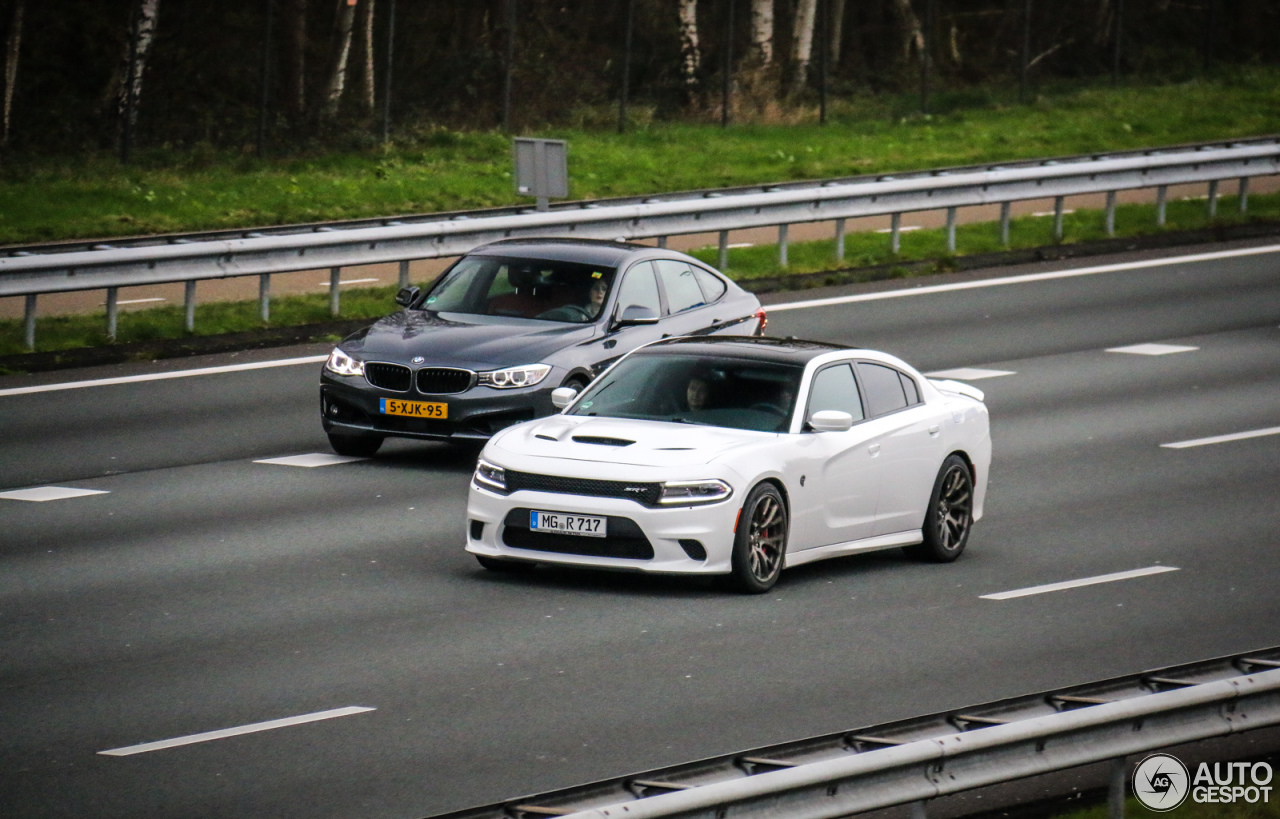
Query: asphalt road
point(205, 591)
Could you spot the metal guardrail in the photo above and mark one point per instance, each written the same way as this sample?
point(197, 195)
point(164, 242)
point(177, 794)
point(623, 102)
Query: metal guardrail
point(36, 271)
point(920, 759)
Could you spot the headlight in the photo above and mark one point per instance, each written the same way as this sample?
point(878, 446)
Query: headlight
point(343, 364)
point(683, 493)
point(512, 377)
point(488, 476)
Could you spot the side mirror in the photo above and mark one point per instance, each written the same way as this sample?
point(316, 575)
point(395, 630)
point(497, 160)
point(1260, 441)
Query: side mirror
point(830, 421)
point(636, 314)
point(562, 397)
point(407, 296)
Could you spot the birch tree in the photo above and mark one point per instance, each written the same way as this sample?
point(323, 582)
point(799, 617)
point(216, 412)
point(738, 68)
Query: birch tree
point(690, 57)
point(344, 25)
point(142, 35)
point(835, 24)
point(762, 32)
point(366, 63)
point(13, 47)
point(802, 42)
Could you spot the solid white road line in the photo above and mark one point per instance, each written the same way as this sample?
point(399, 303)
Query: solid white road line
point(350, 281)
point(234, 732)
point(1075, 584)
point(132, 379)
point(1030, 277)
point(969, 374)
point(311, 460)
point(903, 229)
point(1152, 349)
point(1222, 439)
point(41, 494)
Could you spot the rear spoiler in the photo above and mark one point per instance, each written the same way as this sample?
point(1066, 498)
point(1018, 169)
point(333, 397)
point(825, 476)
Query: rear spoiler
point(957, 388)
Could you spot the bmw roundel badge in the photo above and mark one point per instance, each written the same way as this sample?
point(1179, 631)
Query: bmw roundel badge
point(417, 359)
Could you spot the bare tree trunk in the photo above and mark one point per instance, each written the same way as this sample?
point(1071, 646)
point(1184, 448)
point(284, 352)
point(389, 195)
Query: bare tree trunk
point(690, 57)
point(296, 60)
point(802, 42)
point(366, 41)
point(761, 32)
point(344, 25)
point(836, 24)
point(12, 49)
point(909, 24)
point(142, 35)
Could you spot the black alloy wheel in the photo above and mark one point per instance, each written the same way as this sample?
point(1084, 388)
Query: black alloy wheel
point(760, 544)
point(950, 514)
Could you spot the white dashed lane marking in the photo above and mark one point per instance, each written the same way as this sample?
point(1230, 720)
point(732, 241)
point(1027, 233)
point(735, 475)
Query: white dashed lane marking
point(969, 374)
point(1152, 349)
point(50, 493)
point(1222, 439)
point(1075, 584)
point(311, 460)
point(133, 379)
point(235, 732)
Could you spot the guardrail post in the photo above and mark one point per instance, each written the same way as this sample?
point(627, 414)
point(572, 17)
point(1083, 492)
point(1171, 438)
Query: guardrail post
point(1162, 196)
point(1116, 789)
point(1058, 207)
point(918, 810)
point(895, 233)
point(951, 230)
point(189, 303)
point(112, 297)
point(1213, 199)
point(782, 245)
point(1004, 223)
point(1244, 194)
point(404, 273)
point(724, 250)
point(840, 240)
point(264, 297)
point(662, 241)
point(335, 278)
point(1111, 213)
point(29, 322)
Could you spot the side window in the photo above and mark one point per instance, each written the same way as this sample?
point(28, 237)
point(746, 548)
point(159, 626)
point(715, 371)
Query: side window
point(884, 388)
point(680, 285)
point(835, 389)
point(712, 287)
point(909, 385)
point(639, 288)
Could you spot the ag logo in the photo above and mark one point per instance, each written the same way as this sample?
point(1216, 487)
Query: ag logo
point(1161, 782)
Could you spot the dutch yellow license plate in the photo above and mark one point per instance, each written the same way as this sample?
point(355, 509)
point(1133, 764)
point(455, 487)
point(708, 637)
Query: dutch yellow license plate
point(413, 409)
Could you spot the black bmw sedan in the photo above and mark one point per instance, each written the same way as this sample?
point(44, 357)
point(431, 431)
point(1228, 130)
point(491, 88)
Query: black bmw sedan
point(483, 347)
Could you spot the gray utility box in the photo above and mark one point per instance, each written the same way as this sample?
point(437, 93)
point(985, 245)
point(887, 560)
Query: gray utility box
point(542, 168)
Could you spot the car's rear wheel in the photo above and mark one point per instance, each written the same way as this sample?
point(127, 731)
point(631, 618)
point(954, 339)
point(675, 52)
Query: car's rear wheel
point(760, 544)
point(360, 446)
point(950, 514)
point(497, 564)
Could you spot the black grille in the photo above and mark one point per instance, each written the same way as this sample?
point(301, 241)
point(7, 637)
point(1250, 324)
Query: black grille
point(642, 493)
point(444, 380)
point(625, 539)
point(388, 376)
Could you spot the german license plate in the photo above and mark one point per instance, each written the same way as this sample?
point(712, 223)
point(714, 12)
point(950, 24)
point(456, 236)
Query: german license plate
point(559, 523)
point(413, 409)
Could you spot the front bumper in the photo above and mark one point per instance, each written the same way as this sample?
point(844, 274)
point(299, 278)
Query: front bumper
point(349, 406)
point(493, 523)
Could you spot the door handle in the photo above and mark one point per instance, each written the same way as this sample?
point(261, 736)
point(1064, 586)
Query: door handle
point(933, 430)
point(874, 449)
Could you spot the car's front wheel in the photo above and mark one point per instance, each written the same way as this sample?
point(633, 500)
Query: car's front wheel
point(949, 517)
point(359, 446)
point(760, 543)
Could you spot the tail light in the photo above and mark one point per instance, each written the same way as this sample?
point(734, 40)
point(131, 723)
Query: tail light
point(764, 321)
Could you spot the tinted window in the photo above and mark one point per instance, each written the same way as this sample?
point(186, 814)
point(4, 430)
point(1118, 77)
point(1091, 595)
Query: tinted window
point(521, 288)
point(712, 287)
point(913, 392)
point(682, 287)
point(639, 288)
point(884, 388)
point(835, 389)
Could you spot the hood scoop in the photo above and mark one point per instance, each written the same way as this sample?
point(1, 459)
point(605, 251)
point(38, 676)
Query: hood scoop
point(601, 440)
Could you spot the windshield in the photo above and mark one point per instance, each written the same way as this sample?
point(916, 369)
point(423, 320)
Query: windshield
point(522, 288)
point(691, 389)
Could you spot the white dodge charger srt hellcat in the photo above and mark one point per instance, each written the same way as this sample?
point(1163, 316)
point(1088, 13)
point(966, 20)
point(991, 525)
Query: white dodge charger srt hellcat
point(736, 456)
